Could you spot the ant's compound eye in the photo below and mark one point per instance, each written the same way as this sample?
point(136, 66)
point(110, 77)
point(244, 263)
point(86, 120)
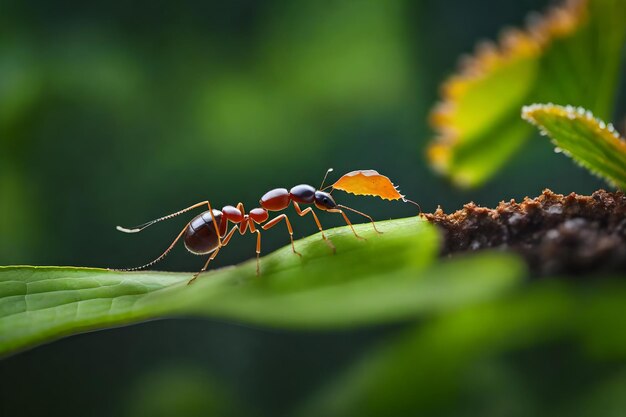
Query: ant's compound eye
point(324, 201)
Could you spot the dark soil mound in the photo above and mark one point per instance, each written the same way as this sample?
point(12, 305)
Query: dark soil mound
point(556, 234)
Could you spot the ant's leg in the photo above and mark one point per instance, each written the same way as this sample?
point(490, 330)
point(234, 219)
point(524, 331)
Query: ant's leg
point(258, 252)
point(275, 221)
point(163, 255)
point(243, 226)
point(253, 229)
point(229, 235)
point(214, 254)
point(305, 212)
point(347, 221)
point(317, 221)
point(362, 214)
point(217, 229)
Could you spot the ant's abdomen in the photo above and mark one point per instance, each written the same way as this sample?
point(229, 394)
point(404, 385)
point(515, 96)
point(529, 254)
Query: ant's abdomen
point(201, 237)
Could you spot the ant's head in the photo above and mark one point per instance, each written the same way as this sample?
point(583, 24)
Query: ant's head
point(324, 201)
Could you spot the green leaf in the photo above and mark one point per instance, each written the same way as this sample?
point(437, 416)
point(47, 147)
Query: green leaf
point(423, 369)
point(386, 277)
point(589, 141)
point(571, 54)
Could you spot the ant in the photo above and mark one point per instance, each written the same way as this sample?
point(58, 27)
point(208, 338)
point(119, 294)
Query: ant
point(206, 234)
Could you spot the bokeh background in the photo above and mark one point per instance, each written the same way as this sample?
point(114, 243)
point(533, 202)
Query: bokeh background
point(116, 113)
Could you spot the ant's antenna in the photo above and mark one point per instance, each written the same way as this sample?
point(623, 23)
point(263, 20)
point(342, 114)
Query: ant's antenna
point(326, 175)
point(362, 214)
point(160, 258)
point(406, 200)
point(139, 228)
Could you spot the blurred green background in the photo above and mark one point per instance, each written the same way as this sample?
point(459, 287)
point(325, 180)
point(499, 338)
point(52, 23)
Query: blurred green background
point(116, 113)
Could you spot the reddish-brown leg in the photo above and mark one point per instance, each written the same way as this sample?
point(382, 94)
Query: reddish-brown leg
point(214, 254)
point(246, 220)
point(243, 226)
point(364, 215)
point(206, 265)
point(347, 221)
point(275, 221)
point(317, 221)
point(229, 235)
point(217, 229)
point(253, 229)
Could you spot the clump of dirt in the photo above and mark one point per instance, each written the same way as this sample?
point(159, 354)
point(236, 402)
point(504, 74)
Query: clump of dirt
point(556, 234)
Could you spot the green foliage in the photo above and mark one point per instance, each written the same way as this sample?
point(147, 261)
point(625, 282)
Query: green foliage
point(386, 277)
point(436, 354)
point(439, 354)
point(104, 103)
point(180, 390)
point(572, 55)
point(589, 141)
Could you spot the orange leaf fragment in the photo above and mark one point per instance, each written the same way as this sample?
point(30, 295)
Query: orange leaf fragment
point(368, 182)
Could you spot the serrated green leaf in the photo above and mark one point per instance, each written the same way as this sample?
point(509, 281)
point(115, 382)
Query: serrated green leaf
point(589, 141)
point(571, 54)
point(386, 277)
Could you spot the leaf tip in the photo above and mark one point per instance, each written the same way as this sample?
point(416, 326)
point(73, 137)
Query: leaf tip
point(589, 141)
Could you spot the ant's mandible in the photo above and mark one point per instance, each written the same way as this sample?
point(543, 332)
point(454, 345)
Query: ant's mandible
point(208, 232)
